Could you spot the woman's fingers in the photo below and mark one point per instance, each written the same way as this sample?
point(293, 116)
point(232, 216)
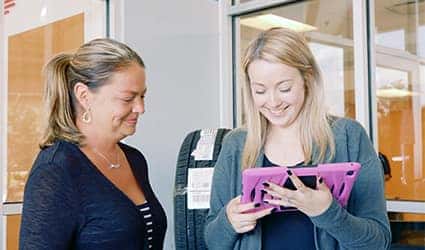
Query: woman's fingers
point(299, 185)
point(240, 217)
point(260, 214)
point(287, 197)
point(278, 191)
point(243, 208)
point(321, 185)
point(254, 216)
point(246, 228)
point(246, 222)
point(280, 202)
point(310, 201)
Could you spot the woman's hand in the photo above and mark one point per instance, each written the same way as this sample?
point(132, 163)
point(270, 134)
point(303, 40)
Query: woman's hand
point(310, 201)
point(241, 221)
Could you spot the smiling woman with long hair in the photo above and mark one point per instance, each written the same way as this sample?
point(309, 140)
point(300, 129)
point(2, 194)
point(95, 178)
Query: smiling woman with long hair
point(287, 125)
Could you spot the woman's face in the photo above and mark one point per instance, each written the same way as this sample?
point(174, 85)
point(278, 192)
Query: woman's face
point(277, 90)
point(117, 105)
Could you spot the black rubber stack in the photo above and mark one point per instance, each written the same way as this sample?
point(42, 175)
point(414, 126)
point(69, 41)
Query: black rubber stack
point(189, 224)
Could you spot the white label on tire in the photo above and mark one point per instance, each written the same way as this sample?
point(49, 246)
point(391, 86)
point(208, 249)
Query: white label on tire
point(205, 147)
point(199, 188)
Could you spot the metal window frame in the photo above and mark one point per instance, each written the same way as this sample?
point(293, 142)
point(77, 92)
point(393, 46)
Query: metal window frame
point(255, 5)
point(2, 126)
point(225, 68)
point(364, 70)
point(362, 64)
point(115, 19)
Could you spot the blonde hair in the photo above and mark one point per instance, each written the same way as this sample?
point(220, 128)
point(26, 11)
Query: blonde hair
point(93, 64)
point(280, 45)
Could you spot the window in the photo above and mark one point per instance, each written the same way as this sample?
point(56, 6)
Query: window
point(50, 27)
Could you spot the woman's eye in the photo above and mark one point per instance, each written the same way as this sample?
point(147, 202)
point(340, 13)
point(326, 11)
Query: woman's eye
point(259, 92)
point(128, 99)
point(285, 90)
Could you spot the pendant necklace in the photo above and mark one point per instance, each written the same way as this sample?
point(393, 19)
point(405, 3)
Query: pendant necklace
point(111, 165)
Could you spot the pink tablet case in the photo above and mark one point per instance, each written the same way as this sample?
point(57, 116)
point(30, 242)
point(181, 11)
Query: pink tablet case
point(339, 177)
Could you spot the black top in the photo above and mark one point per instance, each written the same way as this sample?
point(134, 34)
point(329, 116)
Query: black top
point(290, 230)
point(70, 204)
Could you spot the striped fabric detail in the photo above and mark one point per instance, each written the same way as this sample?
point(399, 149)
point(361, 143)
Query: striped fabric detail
point(147, 218)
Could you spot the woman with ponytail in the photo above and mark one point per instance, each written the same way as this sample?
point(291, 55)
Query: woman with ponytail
point(287, 125)
point(86, 189)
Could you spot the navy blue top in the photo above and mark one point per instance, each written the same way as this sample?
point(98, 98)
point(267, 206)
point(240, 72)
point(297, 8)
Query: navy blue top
point(70, 204)
point(290, 230)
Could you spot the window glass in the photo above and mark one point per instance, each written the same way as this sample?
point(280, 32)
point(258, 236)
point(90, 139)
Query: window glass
point(328, 27)
point(30, 44)
point(50, 27)
point(400, 25)
point(400, 96)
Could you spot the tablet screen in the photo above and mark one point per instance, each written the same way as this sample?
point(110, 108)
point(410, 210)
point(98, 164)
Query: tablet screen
point(309, 181)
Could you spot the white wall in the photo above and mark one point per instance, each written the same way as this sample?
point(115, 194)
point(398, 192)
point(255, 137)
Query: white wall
point(179, 42)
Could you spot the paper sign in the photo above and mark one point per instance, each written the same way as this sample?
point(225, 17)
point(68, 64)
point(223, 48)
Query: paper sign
point(199, 188)
point(205, 147)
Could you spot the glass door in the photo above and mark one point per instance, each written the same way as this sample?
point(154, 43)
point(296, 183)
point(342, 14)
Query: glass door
point(50, 27)
point(400, 105)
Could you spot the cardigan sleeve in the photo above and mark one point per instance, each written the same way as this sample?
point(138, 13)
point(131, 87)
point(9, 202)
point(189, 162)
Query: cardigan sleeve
point(219, 233)
point(49, 214)
point(366, 226)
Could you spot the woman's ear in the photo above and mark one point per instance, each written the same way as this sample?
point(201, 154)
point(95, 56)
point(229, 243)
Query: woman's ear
point(82, 94)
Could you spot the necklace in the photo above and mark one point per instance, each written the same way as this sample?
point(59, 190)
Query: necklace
point(111, 165)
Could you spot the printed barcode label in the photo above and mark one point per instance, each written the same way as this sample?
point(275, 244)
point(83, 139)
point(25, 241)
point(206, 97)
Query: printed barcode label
point(205, 147)
point(201, 198)
point(199, 188)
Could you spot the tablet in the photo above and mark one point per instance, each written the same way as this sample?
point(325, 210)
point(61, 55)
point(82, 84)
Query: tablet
point(339, 177)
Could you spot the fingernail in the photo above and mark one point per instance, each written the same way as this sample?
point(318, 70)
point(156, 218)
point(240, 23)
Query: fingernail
point(273, 210)
point(266, 184)
point(320, 180)
point(289, 172)
point(256, 204)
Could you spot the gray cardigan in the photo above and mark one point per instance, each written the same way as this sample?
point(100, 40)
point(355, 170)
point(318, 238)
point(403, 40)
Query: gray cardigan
point(362, 225)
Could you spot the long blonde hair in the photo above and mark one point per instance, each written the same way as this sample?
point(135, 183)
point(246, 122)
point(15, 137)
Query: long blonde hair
point(280, 45)
point(93, 64)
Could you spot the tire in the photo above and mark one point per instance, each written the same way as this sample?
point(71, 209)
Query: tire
point(189, 224)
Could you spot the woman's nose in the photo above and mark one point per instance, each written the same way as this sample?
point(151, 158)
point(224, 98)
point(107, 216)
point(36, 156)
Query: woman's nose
point(139, 106)
point(274, 99)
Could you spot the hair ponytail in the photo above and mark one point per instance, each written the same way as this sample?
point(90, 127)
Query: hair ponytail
point(60, 122)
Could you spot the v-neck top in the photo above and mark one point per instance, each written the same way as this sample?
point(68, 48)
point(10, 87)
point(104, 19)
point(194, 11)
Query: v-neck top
point(70, 204)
